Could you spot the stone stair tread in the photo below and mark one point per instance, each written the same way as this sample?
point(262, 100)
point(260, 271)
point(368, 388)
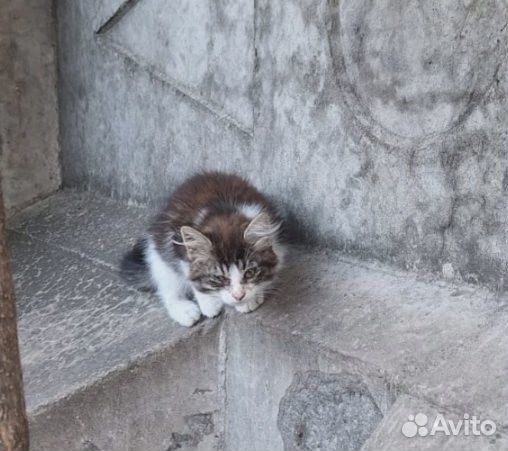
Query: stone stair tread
point(88, 224)
point(443, 342)
point(78, 322)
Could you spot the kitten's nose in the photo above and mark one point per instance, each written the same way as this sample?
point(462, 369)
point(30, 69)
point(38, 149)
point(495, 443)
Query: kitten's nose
point(238, 295)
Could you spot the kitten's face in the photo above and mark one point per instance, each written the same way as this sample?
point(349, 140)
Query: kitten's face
point(238, 280)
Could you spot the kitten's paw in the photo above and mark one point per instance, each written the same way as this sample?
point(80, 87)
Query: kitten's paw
point(185, 313)
point(251, 305)
point(211, 307)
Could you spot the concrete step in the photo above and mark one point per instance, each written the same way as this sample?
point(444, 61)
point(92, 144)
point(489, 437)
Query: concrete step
point(441, 343)
point(336, 359)
point(103, 366)
point(394, 333)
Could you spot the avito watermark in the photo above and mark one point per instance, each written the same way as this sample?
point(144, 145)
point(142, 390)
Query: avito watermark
point(419, 425)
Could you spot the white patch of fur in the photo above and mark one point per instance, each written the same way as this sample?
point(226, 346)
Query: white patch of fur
point(210, 305)
point(185, 267)
point(250, 210)
point(251, 305)
point(184, 312)
point(236, 277)
point(169, 286)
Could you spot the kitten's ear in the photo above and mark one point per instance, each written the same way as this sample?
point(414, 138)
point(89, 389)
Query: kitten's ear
point(261, 231)
point(196, 243)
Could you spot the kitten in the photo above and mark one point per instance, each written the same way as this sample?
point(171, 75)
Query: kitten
point(217, 241)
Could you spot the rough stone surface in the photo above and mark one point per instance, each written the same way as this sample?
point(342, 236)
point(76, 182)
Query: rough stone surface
point(399, 334)
point(29, 150)
point(326, 411)
point(85, 224)
point(202, 63)
point(381, 127)
point(261, 366)
point(416, 71)
point(105, 368)
point(162, 403)
point(102, 150)
point(78, 321)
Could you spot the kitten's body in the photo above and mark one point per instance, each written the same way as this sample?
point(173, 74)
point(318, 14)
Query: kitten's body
point(216, 241)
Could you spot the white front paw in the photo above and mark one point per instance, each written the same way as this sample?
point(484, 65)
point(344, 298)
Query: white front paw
point(251, 305)
point(185, 313)
point(211, 307)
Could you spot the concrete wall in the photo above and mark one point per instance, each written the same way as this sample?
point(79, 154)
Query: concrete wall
point(381, 125)
point(29, 151)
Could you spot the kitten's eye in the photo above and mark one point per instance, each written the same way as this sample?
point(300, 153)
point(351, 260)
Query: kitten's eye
point(218, 281)
point(250, 273)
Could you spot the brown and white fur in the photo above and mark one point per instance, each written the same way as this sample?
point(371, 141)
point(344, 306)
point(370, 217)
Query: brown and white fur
point(217, 242)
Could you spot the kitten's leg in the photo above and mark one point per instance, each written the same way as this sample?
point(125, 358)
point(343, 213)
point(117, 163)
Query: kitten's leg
point(251, 305)
point(210, 305)
point(169, 287)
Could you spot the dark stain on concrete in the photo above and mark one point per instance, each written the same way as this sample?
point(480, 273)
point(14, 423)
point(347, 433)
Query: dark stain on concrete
point(89, 446)
point(197, 425)
point(326, 411)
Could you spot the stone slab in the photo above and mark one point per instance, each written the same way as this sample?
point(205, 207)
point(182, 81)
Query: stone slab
point(283, 392)
point(161, 403)
point(78, 321)
point(444, 343)
point(189, 43)
point(86, 224)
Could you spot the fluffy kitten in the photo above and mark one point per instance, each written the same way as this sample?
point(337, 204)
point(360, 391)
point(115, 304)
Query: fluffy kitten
point(217, 241)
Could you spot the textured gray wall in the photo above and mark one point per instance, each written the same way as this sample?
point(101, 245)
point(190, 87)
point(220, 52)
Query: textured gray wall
point(380, 125)
point(28, 102)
